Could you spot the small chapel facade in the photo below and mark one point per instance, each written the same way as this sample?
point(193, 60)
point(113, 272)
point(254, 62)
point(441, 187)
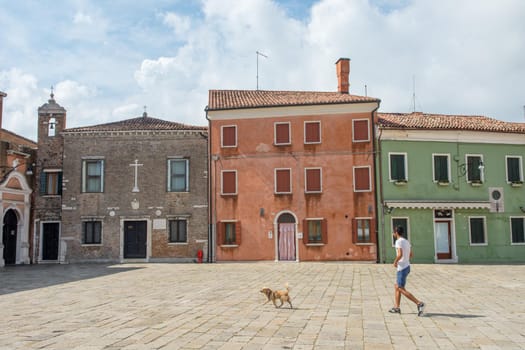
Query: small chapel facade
point(132, 190)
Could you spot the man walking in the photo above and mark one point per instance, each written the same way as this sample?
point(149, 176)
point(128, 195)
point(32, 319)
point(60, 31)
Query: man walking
point(402, 263)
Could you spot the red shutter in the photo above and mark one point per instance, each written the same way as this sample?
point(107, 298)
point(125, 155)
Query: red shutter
point(372, 231)
point(229, 182)
point(324, 231)
point(229, 136)
point(361, 130)
point(282, 179)
point(238, 233)
point(282, 134)
point(305, 231)
point(219, 228)
point(312, 132)
point(313, 180)
point(362, 179)
point(354, 230)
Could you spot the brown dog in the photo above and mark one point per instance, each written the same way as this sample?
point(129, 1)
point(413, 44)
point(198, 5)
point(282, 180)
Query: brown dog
point(281, 295)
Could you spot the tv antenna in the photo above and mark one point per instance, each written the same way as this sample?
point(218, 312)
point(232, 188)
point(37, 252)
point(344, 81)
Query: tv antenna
point(414, 93)
point(263, 55)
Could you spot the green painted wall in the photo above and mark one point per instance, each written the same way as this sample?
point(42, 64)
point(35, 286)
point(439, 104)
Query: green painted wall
point(420, 186)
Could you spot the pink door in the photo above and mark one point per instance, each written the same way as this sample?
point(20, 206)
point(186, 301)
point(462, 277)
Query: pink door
point(287, 241)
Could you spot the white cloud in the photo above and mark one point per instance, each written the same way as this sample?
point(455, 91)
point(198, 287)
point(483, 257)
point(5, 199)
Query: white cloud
point(180, 24)
point(82, 18)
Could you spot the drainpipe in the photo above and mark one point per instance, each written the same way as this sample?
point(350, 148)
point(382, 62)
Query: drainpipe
point(210, 198)
point(374, 173)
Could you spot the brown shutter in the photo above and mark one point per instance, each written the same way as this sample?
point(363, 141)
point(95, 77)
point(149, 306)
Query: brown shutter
point(313, 180)
point(361, 130)
point(312, 132)
point(362, 179)
point(305, 231)
point(228, 136)
point(238, 233)
point(220, 232)
point(324, 231)
point(371, 227)
point(354, 230)
point(282, 178)
point(282, 133)
point(229, 180)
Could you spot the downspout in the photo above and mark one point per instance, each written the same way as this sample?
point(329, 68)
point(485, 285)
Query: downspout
point(381, 199)
point(375, 178)
point(210, 198)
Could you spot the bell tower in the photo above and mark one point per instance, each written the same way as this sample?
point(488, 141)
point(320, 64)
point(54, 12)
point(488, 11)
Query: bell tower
point(51, 121)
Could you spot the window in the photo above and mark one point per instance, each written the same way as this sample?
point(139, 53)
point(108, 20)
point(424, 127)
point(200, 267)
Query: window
point(229, 136)
point(360, 130)
point(178, 231)
point(362, 181)
point(282, 134)
point(477, 230)
point(178, 179)
point(92, 232)
point(441, 167)
point(229, 182)
point(52, 126)
point(312, 132)
point(396, 222)
point(229, 233)
point(398, 167)
point(315, 231)
point(517, 229)
point(51, 183)
point(313, 180)
point(93, 176)
point(514, 169)
point(362, 230)
point(474, 168)
point(283, 181)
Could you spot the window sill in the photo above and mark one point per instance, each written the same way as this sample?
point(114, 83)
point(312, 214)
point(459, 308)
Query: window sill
point(282, 144)
point(283, 193)
point(516, 184)
point(229, 245)
point(313, 143)
point(177, 243)
point(229, 194)
point(443, 183)
point(51, 195)
point(91, 244)
point(400, 182)
point(476, 184)
point(313, 192)
point(314, 244)
point(364, 243)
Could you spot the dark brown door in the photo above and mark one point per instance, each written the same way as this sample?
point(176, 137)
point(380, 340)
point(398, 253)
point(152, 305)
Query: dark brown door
point(9, 237)
point(50, 235)
point(135, 239)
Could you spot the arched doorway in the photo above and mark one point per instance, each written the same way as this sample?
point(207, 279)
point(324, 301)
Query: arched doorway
point(286, 237)
point(9, 236)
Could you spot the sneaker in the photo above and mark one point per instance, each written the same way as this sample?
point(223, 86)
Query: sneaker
point(395, 310)
point(420, 308)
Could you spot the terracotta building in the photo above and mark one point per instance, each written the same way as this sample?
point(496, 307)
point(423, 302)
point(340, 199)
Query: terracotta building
point(132, 190)
point(16, 156)
point(292, 174)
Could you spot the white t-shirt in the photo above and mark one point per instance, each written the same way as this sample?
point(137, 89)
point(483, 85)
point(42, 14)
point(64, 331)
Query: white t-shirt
point(404, 262)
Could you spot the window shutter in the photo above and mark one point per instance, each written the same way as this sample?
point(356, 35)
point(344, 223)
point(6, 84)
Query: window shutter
point(305, 231)
point(59, 183)
point(324, 231)
point(238, 233)
point(360, 130)
point(282, 178)
point(282, 134)
point(312, 132)
point(513, 169)
point(362, 179)
point(229, 179)
point(354, 231)
point(397, 163)
point(313, 180)
point(219, 227)
point(43, 183)
point(228, 136)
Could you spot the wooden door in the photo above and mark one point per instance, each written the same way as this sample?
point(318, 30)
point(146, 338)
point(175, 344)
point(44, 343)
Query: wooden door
point(135, 239)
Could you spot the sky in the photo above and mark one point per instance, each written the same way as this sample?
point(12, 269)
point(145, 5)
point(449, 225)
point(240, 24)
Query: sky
point(106, 60)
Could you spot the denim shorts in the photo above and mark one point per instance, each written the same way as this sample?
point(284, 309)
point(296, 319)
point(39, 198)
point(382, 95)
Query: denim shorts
point(402, 276)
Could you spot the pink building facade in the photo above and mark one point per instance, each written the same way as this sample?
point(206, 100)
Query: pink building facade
point(292, 174)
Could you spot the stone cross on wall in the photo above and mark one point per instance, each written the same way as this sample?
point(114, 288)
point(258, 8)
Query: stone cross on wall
point(136, 165)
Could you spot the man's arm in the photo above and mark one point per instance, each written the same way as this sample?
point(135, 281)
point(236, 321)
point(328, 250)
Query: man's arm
point(399, 255)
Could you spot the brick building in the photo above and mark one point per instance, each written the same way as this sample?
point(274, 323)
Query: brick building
point(292, 174)
point(132, 190)
point(16, 156)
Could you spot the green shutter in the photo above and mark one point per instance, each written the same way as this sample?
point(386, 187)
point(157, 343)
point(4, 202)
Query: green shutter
point(43, 183)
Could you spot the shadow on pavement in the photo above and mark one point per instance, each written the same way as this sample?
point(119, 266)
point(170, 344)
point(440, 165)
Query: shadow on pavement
point(451, 315)
point(17, 278)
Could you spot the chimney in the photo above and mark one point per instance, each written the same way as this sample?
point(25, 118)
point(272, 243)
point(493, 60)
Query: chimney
point(343, 71)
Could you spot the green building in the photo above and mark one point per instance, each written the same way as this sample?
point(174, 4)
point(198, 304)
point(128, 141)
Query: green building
point(455, 183)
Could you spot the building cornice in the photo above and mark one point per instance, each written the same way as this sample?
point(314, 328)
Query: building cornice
point(452, 136)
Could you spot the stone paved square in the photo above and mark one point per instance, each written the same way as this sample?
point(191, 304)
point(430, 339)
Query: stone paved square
point(218, 306)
